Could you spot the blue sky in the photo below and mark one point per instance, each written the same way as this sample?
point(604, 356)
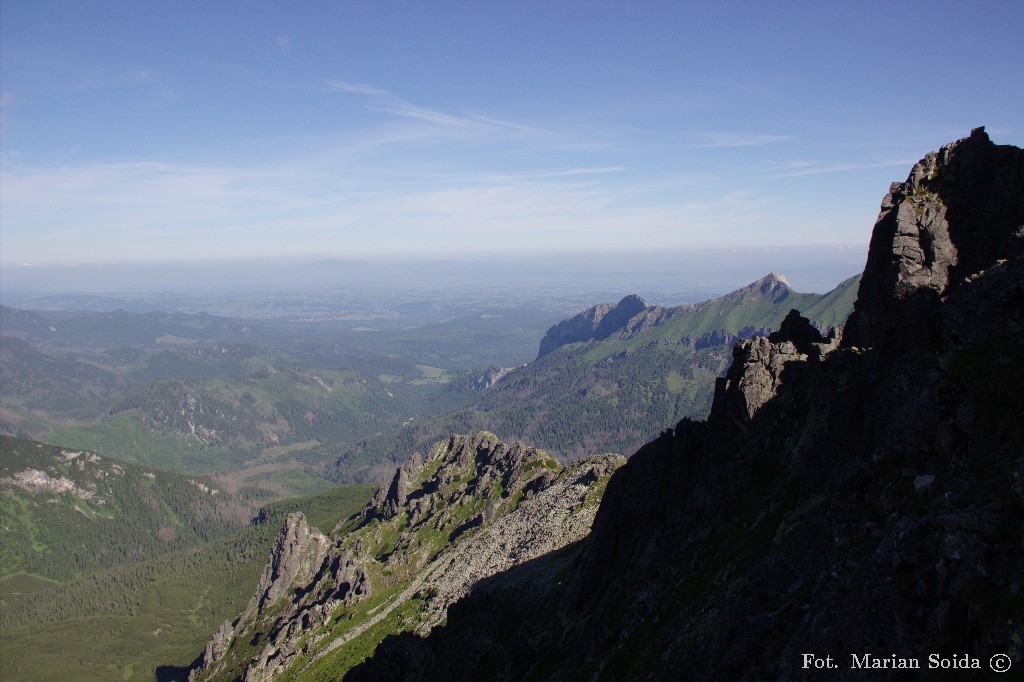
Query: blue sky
point(181, 130)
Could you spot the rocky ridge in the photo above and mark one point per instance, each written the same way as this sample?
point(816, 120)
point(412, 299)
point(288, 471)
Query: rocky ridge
point(471, 508)
point(861, 496)
point(631, 316)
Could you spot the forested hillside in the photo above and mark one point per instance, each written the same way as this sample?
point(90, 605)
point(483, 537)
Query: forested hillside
point(106, 566)
point(265, 403)
point(224, 408)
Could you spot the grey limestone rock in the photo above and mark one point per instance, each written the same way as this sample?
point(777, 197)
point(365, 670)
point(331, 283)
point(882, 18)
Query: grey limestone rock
point(387, 504)
point(599, 322)
point(960, 211)
point(297, 553)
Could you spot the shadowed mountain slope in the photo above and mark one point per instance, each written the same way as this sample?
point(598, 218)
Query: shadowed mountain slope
point(860, 500)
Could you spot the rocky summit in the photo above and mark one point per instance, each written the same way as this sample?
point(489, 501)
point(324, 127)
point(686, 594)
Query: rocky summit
point(473, 508)
point(850, 500)
point(743, 312)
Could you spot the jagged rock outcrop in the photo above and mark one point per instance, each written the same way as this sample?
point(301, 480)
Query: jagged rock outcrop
point(862, 498)
point(959, 212)
point(215, 649)
point(491, 376)
point(295, 559)
point(387, 504)
point(758, 365)
point(473, 507)
point(297, 553)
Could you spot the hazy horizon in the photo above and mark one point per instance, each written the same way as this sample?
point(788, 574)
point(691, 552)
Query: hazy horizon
point(651, 273)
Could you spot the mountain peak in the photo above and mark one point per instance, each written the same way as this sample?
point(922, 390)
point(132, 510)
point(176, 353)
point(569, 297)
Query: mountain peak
point(598, 322)
point(773, 282)
point(773, 286)
point(632, 302)
point(957, 216)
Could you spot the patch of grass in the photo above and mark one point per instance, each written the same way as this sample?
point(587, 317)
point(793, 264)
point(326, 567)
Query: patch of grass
point(22, 582)
point(334, 665)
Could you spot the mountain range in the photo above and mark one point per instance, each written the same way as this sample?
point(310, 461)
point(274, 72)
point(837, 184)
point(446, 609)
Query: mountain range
point(852, 499)
point(181, 391)
point(607, 378)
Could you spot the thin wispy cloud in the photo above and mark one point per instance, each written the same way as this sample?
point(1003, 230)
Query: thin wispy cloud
point(501, 123)
point(838, 168)
point(406, 110)
point(356, 88)
point(713, 140)
point(580, 171)
point(389, 103)
point(529, 177)
point(794, 164)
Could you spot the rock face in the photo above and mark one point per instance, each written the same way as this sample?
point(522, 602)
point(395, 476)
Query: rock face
point(960, 211)
point(387, 505)
point(491, 376)
point(297, 553)
point(862, 497)
point(473, 507)
point(297, 556)
point(758, 364)
point(600, 322)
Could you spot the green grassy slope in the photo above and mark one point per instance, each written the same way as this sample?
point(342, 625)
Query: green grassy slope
point(832, 309)
point(747, 308)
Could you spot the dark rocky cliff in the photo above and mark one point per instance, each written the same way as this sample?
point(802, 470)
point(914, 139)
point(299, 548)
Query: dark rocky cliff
point(960, 211)
point(855, 498)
